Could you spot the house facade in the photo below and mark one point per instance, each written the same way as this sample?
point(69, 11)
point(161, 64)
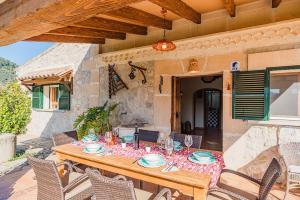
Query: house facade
point(254, 108)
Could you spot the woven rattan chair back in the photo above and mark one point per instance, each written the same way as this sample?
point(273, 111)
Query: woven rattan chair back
point(110, 189)
point(148, 135)
point(64, 138)
point(48, 181)
point(197, 139)
point(290, 153)
point(272, 173)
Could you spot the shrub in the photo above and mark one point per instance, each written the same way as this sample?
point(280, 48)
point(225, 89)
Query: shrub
point(15, 109)
point(96, 118)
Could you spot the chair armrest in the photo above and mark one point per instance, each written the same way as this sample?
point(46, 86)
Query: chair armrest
point(234, 195)
point(120, 177)
point(241, 175)
point(163, 192)
point(66, 164)
point(75, 183)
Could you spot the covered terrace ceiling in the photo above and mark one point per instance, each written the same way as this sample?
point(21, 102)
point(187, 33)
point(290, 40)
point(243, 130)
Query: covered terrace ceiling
point(91, 21)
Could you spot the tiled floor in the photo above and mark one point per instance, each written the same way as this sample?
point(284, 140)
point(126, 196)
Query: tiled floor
point(22, 186)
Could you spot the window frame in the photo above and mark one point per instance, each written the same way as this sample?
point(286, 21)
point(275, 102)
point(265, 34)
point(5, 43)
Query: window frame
point(58, 85)
point(268, 71)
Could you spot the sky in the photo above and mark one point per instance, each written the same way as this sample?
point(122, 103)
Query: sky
point(21, 52)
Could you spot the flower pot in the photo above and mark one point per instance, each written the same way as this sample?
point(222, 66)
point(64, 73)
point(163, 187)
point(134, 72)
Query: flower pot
point(7, 146)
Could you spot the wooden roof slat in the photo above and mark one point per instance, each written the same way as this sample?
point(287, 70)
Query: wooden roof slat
point(87, 32)
point(112, 25)
point(141, 17)
point(180, 8)
point(230, 7)
point(275, 3)
point(65, 39)
point(21, 20)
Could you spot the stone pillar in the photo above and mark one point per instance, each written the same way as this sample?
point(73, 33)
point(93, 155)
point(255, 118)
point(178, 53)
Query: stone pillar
point(7, 146)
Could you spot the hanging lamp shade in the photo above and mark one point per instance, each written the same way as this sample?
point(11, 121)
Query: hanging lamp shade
point(164, 44)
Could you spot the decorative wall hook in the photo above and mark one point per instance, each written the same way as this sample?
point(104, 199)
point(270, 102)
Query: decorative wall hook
point(133, 69)
point(115, 82)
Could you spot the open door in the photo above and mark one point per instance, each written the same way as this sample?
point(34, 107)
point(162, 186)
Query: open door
point(176, 105)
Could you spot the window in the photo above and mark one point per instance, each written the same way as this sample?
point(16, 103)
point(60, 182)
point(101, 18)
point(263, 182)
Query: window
point(272, 93)
point(51, 97)
point(285, 94)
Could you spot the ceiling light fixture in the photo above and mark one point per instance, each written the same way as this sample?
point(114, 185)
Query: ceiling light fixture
point(164, 44)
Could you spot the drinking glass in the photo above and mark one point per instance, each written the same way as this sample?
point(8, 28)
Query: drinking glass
point(169, 146)
point(188, 141)
point(161, 140)
point(108, 138)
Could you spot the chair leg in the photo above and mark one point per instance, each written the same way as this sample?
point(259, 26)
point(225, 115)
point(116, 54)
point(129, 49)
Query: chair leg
point(287, 186)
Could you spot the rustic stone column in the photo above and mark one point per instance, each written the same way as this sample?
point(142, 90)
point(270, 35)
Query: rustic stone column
point(7, 146)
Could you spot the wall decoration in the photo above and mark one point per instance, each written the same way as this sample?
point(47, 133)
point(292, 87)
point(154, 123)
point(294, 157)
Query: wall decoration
point(235, 66)
point(161, 82)
point(115, 82)
point(134, 68)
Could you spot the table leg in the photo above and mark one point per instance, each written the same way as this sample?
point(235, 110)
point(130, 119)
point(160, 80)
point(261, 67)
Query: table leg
point(200, 193)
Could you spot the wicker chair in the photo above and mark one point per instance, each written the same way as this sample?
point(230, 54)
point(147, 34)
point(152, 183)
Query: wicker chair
point(118, 188)
point(147, 135)
point(197, 139)
point(290, 153)
point(64, 138)
point(265, 185)
point(71, 186)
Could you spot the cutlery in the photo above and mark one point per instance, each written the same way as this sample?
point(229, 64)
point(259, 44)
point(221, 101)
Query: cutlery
point(168, 166)
point(135, 160)
point(173, 165)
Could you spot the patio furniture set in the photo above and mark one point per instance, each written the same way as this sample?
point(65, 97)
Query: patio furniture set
point(81, 174)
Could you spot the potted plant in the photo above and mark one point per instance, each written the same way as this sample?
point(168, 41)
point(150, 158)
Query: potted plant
point(15, 113)
point(97, 118)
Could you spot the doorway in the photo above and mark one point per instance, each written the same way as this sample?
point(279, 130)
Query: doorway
point(197, 108)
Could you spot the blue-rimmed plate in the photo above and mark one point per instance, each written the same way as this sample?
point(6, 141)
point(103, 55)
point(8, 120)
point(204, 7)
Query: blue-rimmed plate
point(128, 138)
point(202, 155)
point(205, 160)
point(178, 148)
point(160, 162)
point(85, 150)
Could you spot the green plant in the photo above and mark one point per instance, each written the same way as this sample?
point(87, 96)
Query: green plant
point(96, 118)
point(14, 109)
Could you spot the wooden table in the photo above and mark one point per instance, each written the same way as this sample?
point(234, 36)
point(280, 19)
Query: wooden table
point(187, 182)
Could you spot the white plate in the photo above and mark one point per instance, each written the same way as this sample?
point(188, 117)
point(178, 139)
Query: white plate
point(93, 152)
point(194, 160)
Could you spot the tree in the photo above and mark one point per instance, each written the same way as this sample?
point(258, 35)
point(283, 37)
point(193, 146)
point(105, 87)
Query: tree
point(15, 109)
point(7, 71)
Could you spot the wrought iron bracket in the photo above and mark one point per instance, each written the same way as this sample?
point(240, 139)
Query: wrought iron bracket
point(134, 68)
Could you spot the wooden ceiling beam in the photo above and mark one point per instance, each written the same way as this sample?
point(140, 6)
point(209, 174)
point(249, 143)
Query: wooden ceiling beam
point(275, 3)
point(179, 8)
point(87, 32)
point(230, 7)
point(138, 16)
point(65, 39)
point(23, 19)
point(112, 25)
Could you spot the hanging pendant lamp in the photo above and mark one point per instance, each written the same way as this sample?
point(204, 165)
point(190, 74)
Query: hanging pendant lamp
point(164, 44)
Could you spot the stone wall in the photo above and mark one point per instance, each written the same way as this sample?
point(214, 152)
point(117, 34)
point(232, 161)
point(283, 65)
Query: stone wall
point(136, 103)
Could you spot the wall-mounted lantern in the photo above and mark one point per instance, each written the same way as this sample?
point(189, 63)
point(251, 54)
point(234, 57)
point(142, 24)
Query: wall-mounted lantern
point(194, 66)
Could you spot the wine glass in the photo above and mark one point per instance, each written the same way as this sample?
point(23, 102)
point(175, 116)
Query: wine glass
point(188, 141)
point(169, 145)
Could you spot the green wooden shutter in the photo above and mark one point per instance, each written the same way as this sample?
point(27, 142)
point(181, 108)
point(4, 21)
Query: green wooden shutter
point(64, 98)
point(250, 95)
point(37, 97)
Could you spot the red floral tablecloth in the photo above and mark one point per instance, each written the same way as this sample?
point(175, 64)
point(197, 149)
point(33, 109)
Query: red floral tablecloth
point(180, 157)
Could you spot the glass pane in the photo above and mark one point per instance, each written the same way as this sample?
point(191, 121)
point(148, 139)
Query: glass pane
point(284, 94)
point(53, 97)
